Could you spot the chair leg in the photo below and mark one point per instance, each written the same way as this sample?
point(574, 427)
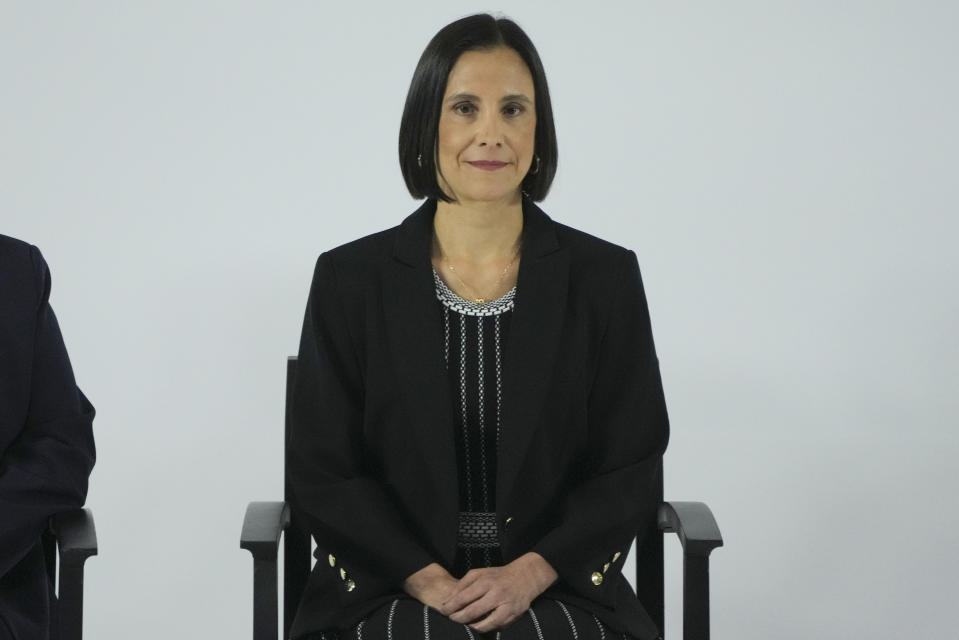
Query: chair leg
point(265, 600)
point(70, 605)
point(695, 597)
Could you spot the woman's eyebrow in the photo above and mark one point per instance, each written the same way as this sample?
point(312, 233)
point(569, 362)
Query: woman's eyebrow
point(462, 96)
point(513, 97)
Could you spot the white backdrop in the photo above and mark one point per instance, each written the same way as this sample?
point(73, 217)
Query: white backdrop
point(786, 172)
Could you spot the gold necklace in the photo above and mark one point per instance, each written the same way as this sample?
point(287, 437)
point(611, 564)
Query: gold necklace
point(480, 299)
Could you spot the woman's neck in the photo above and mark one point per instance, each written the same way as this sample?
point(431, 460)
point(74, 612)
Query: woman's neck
point(479, 233)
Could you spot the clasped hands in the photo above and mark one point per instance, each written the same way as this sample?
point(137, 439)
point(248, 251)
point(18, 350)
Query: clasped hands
point(485, 599)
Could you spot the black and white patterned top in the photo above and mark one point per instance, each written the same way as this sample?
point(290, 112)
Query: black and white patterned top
point(474, 339)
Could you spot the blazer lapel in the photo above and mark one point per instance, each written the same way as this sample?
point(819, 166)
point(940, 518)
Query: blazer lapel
point(535, 330)
point(416, 345)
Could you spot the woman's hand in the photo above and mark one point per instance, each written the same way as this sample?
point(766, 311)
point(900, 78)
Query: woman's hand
point(494, 597)
point(432, 585)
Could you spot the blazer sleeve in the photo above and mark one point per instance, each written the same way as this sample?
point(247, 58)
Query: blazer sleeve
point(346, 508)
point(45, 469)
point(628, 432)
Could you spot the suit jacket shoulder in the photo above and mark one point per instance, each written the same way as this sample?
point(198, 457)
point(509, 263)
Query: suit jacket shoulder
point(370, 248)
point(25, 280)
point(12, 247)
point(596, 265)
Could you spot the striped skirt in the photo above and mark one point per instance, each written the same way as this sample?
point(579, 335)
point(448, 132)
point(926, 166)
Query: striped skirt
point(408, 619)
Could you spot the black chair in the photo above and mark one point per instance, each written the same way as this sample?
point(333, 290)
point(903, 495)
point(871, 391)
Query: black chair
point(266, 522)
point(72, 538)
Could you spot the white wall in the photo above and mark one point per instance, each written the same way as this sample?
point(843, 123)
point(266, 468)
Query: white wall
point(785, 171)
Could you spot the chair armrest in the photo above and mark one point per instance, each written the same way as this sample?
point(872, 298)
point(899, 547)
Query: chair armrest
point(263, 524)
point(76, 536)
point(695, 525)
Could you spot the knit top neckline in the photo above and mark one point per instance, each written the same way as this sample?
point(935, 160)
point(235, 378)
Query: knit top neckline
point(453, 301)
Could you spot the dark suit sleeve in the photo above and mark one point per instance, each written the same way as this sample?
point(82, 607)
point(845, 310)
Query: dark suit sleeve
point(628, 431)
point(45, 469)
point(345, 506)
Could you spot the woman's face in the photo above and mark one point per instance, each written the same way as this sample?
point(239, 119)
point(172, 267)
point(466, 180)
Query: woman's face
point(487, 127)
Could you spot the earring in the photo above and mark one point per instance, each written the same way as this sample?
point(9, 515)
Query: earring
point(419, 160)
point(536, 170)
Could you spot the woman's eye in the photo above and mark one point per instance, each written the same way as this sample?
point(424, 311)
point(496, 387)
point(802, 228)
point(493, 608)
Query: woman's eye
point(464, 108)
point(513, 110)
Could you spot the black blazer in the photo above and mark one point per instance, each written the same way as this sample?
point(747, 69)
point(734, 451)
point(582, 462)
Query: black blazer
point(372, 460)
point(46, 438)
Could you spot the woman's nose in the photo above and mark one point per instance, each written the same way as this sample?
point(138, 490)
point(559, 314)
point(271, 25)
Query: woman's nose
point(489, 130)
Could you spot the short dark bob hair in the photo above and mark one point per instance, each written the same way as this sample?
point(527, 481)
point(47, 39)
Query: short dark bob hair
point(421, 116)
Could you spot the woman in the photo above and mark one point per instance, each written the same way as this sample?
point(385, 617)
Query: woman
point(478, 414)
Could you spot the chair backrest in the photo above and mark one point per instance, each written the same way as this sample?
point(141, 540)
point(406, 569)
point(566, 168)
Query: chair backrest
point(296, 544)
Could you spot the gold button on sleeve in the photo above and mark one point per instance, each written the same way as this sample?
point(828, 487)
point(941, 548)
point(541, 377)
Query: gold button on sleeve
point(332, 560)
point(597, 578)
point(616, 556)
point(606, 567)
point(342, 574)
point(350, 585)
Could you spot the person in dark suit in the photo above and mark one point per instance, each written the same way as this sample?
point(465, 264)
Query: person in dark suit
point(46, 439)
point(478, 415)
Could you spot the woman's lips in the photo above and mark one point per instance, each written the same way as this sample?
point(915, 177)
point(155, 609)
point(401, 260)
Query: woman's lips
point(487, 165)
